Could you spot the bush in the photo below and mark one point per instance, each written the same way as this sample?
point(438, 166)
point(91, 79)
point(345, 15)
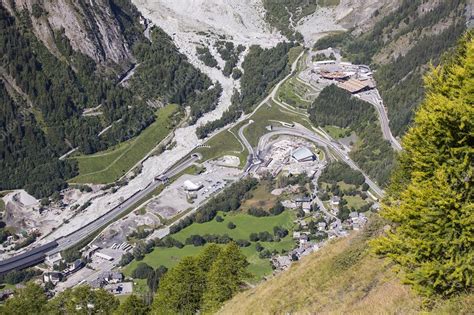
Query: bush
point(277, 209)
point(195, 240)
point(243, 243)
point(280, 232)
point(231, 225)
point(219, 218)
point(142, 271)
point(258, 212)
point(126, 259)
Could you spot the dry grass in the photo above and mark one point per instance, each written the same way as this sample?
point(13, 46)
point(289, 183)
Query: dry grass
point(342, 278)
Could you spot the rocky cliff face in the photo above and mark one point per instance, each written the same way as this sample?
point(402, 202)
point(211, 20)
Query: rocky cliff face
point(92, 26)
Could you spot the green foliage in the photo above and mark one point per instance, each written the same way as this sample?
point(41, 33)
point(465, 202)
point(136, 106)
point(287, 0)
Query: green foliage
point(18, 276)
point(154, 278)
point(133, 305)
point(82, 300)
point(205, 56)
point(338, 171)
point(263, 68)
point(430, 202)
point(208, 257)
point(203, 282)
point(30, 300)
point(142, 271)
point(373, 154)
point(166, 74)
point(279, 13)
point(56, 91)
point(181, 289)
point(228, 200)
point(224, 277)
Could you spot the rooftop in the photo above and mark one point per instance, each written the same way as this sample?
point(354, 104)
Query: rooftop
point(354, 85)
point(302, 154)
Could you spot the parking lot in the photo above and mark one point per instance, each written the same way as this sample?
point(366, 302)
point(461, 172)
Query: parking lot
point(177, 198)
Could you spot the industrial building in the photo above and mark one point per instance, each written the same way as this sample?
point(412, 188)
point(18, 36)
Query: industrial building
point(355, 86)
point(303, 154)
point(190, 186)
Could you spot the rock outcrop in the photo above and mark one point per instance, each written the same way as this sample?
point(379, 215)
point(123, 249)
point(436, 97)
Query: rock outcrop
point(91, 26)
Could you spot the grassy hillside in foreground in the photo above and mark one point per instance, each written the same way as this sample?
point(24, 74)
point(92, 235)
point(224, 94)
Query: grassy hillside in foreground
point(342, 278)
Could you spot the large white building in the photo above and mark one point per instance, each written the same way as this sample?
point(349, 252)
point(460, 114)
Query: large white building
point(190, 186)
point(303, 154)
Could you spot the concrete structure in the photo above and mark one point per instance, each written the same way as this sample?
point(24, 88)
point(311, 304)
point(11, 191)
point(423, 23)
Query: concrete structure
point(52, 260)
point(53, 277)
point(306, 206)
point(190, 186)
point(123, 288)
point(303, 154)
point(104, 256)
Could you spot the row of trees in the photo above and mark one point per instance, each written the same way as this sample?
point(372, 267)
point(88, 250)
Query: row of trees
point(229, 199)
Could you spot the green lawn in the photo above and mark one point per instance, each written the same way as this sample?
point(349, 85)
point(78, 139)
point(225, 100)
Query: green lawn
point(292, 93)
point(224, 143)
point(336, 132)
point(355, 201)
point(268, 115)
point(245, 223)
point(108, 166)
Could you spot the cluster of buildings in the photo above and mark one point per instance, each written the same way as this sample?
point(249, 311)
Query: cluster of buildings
point(293, 156)
point(352, 78)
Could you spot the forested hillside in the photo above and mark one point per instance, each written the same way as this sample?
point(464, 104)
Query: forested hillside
point(335, 106)
point(284, 15)
point(263, 68)
point(49, 88)
point(401, 46)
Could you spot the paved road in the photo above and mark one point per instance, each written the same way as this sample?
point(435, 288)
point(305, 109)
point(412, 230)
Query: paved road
point(244, 140)
point(320, 141)
point(84, 232)
point(373, 97)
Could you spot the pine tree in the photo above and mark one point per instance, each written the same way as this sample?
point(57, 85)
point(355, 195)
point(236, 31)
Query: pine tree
point(133, 305)
point(181, 289)
point(430, 200)
point(208, 256)
point(225, 277)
